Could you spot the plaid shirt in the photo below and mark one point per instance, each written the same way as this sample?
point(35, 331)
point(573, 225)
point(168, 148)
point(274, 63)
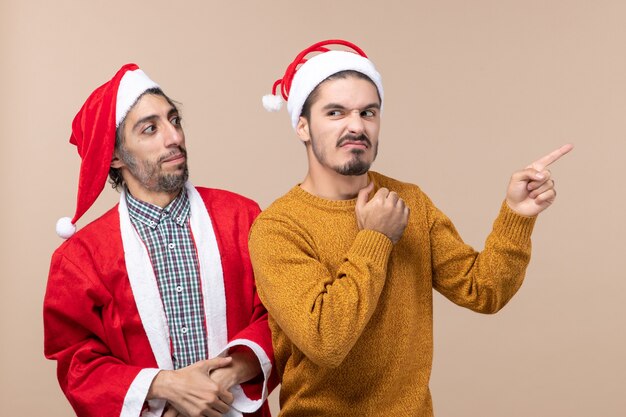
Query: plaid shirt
point(167, 235)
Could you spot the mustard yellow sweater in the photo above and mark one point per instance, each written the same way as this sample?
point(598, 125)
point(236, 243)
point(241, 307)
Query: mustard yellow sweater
point(351, 314)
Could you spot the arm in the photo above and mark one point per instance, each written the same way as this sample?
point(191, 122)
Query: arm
point(486, 281)
point(321, 313)
point(82, 333)
point(76, 307)
point(324, 314)
point(483, 282)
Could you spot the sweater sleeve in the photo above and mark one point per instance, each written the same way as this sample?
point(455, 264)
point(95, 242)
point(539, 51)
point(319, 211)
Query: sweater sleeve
point(321, 313)
point(95, 380)
point(483, 282)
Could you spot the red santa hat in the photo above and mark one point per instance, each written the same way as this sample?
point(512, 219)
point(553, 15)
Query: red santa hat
point(304, 74)
point(93, 134)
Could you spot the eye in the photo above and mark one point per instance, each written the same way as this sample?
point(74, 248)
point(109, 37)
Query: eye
point(368, 113)
point(333, 113)
point(149, 130)
point(176, 120)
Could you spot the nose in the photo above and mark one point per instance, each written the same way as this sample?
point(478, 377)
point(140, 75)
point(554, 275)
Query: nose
point(174, 135)
point(355, 123)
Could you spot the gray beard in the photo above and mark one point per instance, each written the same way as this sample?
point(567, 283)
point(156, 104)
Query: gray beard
point(146, 173)
point(172, 182)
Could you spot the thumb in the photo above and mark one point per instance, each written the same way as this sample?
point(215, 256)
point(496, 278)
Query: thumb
point(363, 196)
point(526, 175)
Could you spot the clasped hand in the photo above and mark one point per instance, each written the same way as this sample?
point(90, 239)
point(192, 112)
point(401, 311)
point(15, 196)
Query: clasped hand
point(191, 392)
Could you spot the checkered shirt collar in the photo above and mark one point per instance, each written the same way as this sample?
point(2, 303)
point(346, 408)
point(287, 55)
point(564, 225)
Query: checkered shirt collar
point(151, 215)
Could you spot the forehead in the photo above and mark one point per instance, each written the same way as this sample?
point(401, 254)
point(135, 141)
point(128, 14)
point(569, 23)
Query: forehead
point(349, 91)
point(149, 105)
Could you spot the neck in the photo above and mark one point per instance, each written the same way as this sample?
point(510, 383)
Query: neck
point(326, 183)
point(158, 198)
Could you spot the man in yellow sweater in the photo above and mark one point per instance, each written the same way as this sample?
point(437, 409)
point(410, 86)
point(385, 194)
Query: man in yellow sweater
point(346, 261)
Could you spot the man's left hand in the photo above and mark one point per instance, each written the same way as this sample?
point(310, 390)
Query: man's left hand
point(531, 190)
point(244, 366)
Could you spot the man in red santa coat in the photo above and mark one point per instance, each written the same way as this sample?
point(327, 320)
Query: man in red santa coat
point(152, 309)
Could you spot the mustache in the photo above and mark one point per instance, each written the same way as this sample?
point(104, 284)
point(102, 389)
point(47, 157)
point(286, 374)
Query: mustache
point(177, 151)
point(354, 138)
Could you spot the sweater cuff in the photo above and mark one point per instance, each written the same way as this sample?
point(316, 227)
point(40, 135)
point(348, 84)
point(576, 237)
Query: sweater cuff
point(373, 245)
point(517, 227)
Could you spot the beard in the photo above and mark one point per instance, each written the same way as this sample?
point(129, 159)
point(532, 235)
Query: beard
point(356, 165)
point(149, 173)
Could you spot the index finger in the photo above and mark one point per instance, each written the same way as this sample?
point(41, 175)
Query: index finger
point(552, 157)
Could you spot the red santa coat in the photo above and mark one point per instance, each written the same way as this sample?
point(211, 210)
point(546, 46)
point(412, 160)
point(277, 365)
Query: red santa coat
point(104, 320)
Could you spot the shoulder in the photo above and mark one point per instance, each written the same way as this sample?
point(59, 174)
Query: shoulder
point(412, 194)
point(405, 189)
point(287, 212)
point(216, 199)
point(229, 211)
point(99, 240)
point(98, 232)
point(284, 208)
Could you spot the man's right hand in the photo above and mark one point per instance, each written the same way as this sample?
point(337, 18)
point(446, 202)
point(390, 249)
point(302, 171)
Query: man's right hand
point(191, 391)
point(385, 212)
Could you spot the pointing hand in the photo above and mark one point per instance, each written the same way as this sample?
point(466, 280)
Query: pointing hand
point(531, 190)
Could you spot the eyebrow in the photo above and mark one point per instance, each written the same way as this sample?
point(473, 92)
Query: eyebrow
point(152, 117)
point(341, 107)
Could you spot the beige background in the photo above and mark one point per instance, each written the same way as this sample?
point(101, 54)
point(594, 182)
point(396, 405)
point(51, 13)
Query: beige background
point(474, 90)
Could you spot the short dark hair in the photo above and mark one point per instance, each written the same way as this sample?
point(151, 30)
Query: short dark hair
point(306, 107)
point(115, 175)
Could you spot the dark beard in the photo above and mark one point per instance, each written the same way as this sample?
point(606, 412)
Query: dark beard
point(354, 167)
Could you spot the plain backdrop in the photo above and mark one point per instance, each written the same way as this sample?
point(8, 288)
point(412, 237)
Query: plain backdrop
point(473, 91)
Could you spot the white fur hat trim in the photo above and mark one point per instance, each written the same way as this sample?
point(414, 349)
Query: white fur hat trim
point(320, 67)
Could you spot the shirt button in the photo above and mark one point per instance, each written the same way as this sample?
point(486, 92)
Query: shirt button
point(171, 245)
point(184, 329)
point(179, 288)
point(151, 223)
point(178, 219)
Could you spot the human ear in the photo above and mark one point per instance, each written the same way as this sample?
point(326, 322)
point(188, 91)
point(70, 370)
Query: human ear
point(116, 162)
point(302, 129)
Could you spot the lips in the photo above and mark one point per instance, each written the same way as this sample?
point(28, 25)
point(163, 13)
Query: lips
point(352, 143)
point(174, 157)
point(350, 140)
point(177, 155)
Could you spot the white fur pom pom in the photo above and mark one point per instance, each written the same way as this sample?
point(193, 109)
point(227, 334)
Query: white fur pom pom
point(65, 228)
point(272, 102)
